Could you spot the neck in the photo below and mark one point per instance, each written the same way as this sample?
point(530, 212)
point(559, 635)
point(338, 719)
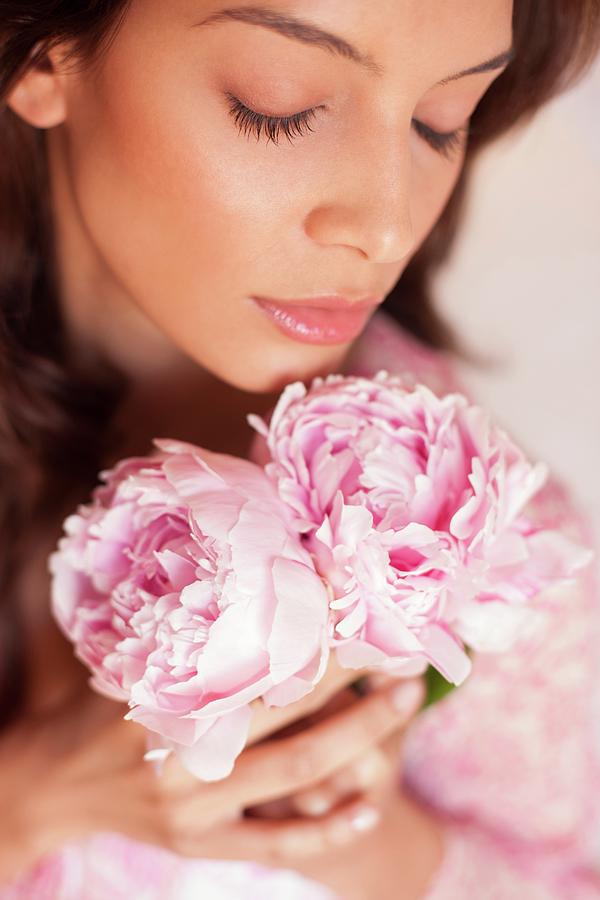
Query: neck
point(189, 405)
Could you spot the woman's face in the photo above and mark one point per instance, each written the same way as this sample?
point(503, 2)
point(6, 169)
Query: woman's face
point(189, 212)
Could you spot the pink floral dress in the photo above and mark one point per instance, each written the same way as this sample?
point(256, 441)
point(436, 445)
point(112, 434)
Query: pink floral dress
point(510, 763)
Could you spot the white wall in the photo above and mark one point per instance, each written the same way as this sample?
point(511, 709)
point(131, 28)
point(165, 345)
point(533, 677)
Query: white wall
point(523, 286)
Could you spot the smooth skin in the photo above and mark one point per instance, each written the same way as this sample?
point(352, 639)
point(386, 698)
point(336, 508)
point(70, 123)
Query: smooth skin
point(95, 778)
point(168, 220)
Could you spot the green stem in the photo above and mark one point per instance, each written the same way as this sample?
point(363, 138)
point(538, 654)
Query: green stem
point(437, 687)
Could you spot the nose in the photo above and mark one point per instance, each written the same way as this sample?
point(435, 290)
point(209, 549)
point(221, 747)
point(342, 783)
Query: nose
point(367, 205)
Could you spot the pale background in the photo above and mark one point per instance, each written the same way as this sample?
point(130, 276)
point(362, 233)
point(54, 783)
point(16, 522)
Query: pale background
point(523, 286)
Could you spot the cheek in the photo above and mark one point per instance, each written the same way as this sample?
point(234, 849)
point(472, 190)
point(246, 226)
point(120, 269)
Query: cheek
point(164, 211)
point(178, 206)
point(432, 186)
point(188, 227)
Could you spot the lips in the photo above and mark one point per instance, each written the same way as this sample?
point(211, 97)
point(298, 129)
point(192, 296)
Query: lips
point(331, 319)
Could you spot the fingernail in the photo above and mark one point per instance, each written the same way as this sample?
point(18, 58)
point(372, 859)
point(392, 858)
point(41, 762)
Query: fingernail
point(364, 818)
point(369, 769)
point(314, 804)
point(407, 696)
point(378, 680)
point(344, 827)
point(361, 775)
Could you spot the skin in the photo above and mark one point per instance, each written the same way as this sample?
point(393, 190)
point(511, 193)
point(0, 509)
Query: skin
point(168, 220)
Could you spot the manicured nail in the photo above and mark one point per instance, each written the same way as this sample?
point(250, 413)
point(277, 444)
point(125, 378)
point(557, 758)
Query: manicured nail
point(345, 827)
point(314, 804)
point(406, 696)
point(362, 774)
point(364, 818)
point(378, 680)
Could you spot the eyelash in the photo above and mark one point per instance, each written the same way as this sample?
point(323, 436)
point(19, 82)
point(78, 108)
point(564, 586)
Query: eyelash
point(249, 121)
point(447, 143)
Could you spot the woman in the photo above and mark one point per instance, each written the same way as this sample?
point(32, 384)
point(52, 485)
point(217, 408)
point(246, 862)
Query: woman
point(199, 205)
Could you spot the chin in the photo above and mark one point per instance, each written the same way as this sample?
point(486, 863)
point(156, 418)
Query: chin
point(270, 371)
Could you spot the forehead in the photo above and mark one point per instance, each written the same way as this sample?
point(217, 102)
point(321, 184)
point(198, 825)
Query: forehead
point(412, 43)
point(385, 29)
point(424, 40)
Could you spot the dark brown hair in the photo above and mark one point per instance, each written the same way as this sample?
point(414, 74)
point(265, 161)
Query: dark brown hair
point(55, 410)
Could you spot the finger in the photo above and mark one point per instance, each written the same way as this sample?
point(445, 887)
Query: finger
point(365, 774)
point(393, 748)
point(178, 780)
point(368, 774)
point(284, 807)
point(373, 773)
point(279, 768)
point(268, 719)
point(275, 842)
point(374, 681)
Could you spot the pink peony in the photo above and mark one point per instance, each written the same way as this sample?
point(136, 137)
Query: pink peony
point(188, 594)
point(412, 507)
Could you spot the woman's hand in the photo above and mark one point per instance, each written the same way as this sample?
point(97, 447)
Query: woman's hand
point(399, 858)
point(372, 771)
point(333, 771)
point(398, 854)
point(84, 772)
point(212, 820)
point(357, 831)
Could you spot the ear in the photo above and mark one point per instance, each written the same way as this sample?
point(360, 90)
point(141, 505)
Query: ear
point(39, 96)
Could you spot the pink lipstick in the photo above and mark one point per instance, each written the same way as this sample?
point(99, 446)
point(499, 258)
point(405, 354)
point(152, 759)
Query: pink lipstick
point(319, 320)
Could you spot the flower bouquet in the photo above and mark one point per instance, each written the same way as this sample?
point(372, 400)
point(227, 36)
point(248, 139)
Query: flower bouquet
point(375, 521)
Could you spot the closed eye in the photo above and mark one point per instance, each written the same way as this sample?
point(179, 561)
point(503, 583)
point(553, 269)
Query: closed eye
point(299, 124)
point(444, 142)
point(249, 121)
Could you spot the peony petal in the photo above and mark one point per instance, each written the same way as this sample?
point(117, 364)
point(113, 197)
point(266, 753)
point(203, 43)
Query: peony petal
point(179, 570)
point(553, 555)
point(445, 653)
point(213, 755)
point(301, 683)
point(300, 618)
point(357, 654)
point(166, 725)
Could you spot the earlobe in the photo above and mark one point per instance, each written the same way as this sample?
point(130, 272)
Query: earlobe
point(39, 97)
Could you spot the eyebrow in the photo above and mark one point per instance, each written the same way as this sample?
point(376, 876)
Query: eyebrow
point(307, 33)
